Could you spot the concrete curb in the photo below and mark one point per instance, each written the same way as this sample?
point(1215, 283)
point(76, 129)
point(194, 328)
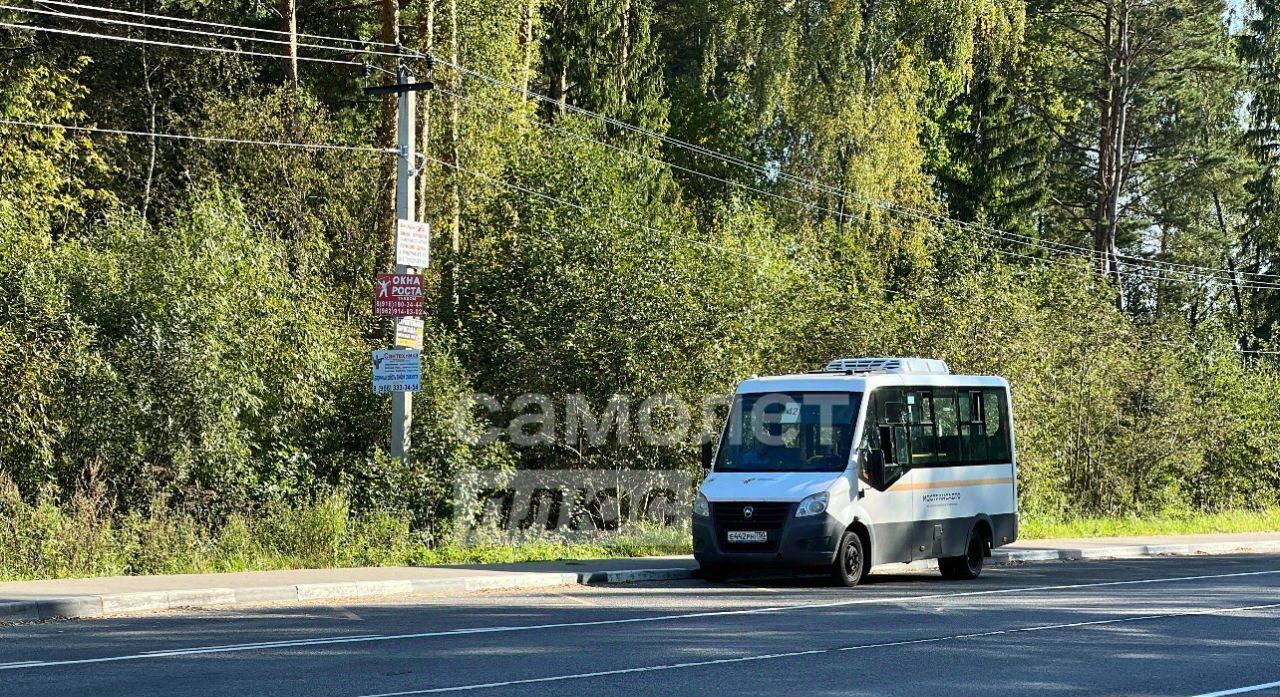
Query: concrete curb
point(81, 606)
point(86, 606)
point(1014, 556)
point(635, 575)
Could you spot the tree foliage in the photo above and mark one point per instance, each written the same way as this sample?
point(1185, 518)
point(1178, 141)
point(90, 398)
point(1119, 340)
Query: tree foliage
point(189, 323)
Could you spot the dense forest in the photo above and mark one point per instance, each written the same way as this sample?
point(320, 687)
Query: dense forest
point(631, 197)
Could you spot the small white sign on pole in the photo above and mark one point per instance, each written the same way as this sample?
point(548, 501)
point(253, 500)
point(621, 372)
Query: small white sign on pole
point(409, 333)
point(397, 371)
point(413, 244)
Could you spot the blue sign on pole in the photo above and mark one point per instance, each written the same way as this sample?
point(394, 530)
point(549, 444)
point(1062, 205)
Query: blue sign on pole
point(397, 371)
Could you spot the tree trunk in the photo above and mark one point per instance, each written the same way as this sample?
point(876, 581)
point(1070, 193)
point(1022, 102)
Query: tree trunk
point(455, 178)
point(624, 57)
point(1106, 107)
point(289, 17)
point(151, 113)
point(1231, 259)
point(424, 108)
point(1113, 113)
point(526, 44)
point(390, 111)
point(1118, 152)
point(557, 62)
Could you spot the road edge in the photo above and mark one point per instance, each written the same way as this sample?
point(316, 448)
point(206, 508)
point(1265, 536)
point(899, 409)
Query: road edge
point(89, 606)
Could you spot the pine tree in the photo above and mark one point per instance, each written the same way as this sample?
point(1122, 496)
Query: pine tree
point(602, 55)
point(995, 172)
point(1124, 85)
point(1259, 48)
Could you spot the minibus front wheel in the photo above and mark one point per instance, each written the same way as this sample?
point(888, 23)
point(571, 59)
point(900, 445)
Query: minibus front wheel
point(850, 566)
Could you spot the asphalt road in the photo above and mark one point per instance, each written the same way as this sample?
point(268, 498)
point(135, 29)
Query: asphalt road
point(1169, 626)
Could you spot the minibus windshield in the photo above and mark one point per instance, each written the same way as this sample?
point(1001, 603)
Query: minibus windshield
point(789, 432)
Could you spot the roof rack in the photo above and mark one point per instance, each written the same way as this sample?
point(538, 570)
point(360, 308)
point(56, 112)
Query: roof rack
point(856, 366)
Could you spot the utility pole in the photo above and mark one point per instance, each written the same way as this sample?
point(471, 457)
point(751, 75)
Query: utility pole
point(406, 189)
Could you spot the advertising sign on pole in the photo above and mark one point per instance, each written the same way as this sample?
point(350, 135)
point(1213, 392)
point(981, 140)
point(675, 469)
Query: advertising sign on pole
point(413, 243)
point(397, 371)
point(398, 295)
point(409, 333)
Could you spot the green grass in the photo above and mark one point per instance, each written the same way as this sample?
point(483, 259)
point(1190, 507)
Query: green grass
point(80, 538)
point(648, 544)
point(1162, 524)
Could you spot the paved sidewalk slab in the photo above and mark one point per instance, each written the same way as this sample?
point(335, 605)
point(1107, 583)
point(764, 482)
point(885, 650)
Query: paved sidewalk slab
point(24, 601)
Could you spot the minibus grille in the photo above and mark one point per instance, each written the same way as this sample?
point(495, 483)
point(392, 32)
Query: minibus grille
point(768, 516)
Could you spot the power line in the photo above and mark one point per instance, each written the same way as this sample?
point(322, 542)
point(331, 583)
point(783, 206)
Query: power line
point(825, 188)
point(1171, 270)
point(935, 219)
point(324, 146)
point(196, 32)
point(639, 155)
point(1163, 274)
point(209, 139)
point(492, 180)
point(585, 209)
point(1143, 260)
point(1192, 273)
point(625, 220)
point(217, 49)
point(1187, 270)
point(282, 144)
point(1168, 274)
point(1234, 349)
point(112, 10)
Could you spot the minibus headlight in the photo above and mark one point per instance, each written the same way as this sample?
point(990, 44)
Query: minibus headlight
point(813, 505)
point(701, 507)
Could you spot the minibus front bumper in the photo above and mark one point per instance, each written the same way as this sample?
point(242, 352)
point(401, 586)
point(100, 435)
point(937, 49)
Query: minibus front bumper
point(811, 541)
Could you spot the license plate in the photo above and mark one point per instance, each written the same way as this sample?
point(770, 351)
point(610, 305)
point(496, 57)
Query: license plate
point(748, 536)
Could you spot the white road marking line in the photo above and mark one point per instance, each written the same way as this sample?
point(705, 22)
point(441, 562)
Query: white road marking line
point(580, 601)
point(346, 613)
point(1242, 690)
point(748, 586)
point(599, 673)
point(259, 644)
point(811, 652)
point(15, 664)
point(228, 648)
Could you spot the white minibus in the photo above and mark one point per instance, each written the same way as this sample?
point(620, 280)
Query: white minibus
point(869, 461)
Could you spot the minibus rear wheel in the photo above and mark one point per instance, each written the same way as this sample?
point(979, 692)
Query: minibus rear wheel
point(851, 562)
point(968, 566)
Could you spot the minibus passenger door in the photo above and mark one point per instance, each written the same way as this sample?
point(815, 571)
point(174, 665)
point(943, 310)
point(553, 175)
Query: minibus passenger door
point(884, 444)
point(891, 438)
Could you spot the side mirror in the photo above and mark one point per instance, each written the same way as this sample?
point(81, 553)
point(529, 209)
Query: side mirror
point(707, 453)
point(875, 466)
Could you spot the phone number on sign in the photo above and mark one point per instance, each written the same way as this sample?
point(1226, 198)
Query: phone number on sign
point(396, 387)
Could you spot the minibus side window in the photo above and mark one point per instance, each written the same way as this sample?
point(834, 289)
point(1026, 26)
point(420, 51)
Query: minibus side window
point(995, 410)
point(924, 432)
point(973, 429)
point(944, 402)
